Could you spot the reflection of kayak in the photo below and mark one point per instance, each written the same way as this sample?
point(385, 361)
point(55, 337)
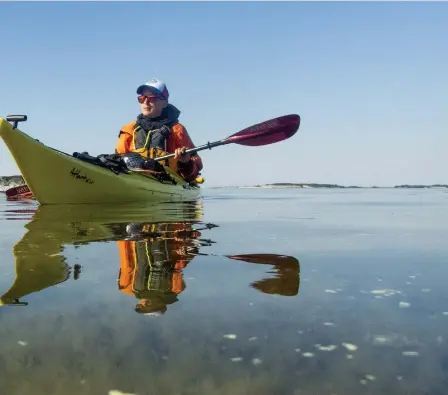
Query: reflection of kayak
point(55, 177)
point(79, 224)
point(39, 256)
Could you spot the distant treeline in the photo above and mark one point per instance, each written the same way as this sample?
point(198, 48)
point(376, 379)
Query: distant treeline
point(315, 185)
point(6, 181)
point(312, 185)
point(9, 180)
point(422, 186)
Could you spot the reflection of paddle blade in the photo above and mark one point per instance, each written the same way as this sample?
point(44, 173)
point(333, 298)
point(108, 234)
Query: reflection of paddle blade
point(266, 259)
point(282, 285)
point(286, 270)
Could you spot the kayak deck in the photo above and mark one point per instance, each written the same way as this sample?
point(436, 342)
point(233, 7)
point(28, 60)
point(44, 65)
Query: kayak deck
point(55, 177)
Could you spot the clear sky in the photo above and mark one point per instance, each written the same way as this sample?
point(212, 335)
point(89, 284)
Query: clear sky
point(370, 81)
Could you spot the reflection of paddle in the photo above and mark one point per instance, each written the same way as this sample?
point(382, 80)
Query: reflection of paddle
point(287, 271)
point(266, 259)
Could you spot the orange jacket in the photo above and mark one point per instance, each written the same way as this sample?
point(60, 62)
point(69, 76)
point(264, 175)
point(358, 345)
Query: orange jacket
point(178, 138)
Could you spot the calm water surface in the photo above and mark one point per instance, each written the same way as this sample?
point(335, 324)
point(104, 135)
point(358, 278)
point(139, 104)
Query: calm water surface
point(246, 292)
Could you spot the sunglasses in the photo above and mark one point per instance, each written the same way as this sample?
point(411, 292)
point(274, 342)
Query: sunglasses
point(142, 98)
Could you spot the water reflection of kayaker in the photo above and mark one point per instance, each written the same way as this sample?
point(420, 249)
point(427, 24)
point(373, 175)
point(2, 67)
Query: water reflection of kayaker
point(157, 131)
point(40, 262)
point(151, 267)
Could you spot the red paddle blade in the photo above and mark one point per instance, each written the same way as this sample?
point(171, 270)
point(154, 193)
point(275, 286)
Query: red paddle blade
point(20, 190)
point(268, 132)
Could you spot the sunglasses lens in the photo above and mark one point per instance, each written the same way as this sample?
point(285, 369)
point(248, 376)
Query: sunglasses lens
point(141, 98)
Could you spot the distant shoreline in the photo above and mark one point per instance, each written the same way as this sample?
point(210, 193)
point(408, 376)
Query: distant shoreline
point(287, 185)
point(7, 182)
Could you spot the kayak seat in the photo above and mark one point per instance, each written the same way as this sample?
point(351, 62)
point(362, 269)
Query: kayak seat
point(117, 164)
point(112, 162)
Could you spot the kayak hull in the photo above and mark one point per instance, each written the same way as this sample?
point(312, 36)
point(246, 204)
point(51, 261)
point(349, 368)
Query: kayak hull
point(55, 177)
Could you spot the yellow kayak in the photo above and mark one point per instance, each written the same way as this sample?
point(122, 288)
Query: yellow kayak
point(55, 177)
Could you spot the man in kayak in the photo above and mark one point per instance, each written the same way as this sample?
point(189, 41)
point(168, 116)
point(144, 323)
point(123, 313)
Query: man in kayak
point(157, 131)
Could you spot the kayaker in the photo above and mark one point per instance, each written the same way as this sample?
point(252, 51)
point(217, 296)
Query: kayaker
point(157, 131)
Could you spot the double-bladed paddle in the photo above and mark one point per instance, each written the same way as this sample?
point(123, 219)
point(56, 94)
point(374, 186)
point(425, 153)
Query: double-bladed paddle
point(264, 133)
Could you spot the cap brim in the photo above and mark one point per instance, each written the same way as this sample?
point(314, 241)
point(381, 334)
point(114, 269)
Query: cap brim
point(141, 88)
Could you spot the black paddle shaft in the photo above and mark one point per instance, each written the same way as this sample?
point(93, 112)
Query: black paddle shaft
point(264, 133)
point(195, 149)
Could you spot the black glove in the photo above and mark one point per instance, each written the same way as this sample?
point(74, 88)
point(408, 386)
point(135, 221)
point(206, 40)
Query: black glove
point(135, 161)
point(151, 164)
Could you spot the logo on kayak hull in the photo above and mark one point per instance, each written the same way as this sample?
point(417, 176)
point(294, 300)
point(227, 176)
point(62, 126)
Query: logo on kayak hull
point(76, 174)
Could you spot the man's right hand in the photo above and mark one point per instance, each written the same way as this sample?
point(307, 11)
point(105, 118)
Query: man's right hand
point(181, 156)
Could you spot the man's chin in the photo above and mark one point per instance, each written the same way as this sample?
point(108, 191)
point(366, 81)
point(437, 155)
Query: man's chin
point(148, 113)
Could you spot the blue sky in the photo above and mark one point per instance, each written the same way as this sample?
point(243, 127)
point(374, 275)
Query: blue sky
point(369, 80)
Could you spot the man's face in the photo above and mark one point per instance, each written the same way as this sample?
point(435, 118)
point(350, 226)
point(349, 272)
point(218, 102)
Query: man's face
point(151, 105)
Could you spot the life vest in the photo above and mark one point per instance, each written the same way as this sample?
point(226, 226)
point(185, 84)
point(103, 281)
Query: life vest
point(151, 144)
